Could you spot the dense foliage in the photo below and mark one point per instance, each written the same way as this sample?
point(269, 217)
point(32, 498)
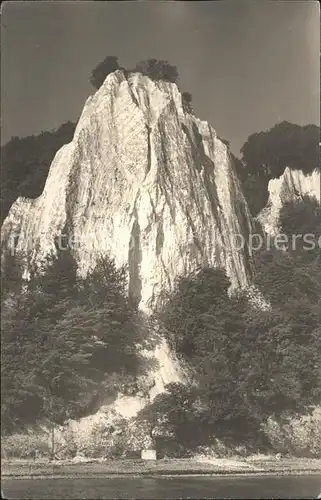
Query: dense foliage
point(301, 216)
point(248, 364)
point(285, 144)
point(158, 70)
point(65, 341)
point(154, 68)
point(25, 164)
point(265, 155)
point(175, 420)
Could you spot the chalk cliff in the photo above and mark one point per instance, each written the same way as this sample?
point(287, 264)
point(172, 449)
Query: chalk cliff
point(153, 186)
point(145, 181)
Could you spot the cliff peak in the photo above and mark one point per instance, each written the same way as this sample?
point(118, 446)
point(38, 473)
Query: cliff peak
point(145, 181)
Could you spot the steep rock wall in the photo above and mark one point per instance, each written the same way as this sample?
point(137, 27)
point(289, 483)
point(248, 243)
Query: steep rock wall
point(144, 181)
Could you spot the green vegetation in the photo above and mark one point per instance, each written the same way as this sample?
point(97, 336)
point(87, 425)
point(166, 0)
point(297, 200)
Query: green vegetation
point(157, 70)
point(25, 164)
point(249, 365)
point(102, 70)
point(302, 216)
point(65, 341)
point(154, 68)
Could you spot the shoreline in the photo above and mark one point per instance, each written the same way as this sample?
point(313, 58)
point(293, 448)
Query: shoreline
point(158, 468)
point(163, 475)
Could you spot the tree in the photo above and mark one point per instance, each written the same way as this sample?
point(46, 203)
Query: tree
point(11, 273)
point(158, 70)
point(118, 323)
point(102, 70)
point(285, 144)
point(20, 399)
point(66, 342)
point(25, 164)
point(16, 388)
point(282, 276)
point(200, 324)
point(192, 294)
point(301, 216)
point(247, 364)
point(52, 283)
point(291, 281)
point(173, 419)
point(265, 156)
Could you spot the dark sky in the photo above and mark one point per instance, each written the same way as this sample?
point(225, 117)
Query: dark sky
point(248, 64)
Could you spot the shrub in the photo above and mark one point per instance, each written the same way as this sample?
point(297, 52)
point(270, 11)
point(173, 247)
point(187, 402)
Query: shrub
point(300, 436)
point(187, 102)
point(301, 216)
point(30, 443)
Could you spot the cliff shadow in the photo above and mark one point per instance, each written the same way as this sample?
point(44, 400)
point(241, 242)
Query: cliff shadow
point(134, 262)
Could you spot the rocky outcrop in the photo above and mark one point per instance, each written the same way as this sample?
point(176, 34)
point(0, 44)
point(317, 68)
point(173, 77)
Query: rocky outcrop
point(291, 185)
point(146, 182)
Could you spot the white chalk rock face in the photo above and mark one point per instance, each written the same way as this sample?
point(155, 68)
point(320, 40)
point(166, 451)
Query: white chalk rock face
point(144, 181)
point(291, 185)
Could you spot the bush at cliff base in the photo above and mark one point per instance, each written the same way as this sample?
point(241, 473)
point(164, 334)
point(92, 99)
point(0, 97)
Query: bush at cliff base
point(299, 437)
point(34, 443)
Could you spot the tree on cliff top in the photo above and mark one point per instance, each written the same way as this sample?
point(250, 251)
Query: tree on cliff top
point(158, 70)
point(154, 68)
point(102, 70)
point(284, 145)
